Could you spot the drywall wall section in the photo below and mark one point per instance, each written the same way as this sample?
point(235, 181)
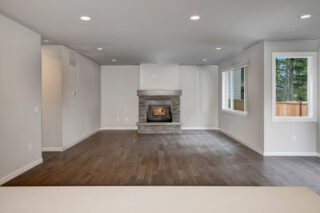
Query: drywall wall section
point(318, 135)
point(159, 76)
point(199, 100)
point(71, 93)
point(52, 69)
point(80, 97)
point(20, 95)
point(246, 128)
point(119, 100)
point(286, 138)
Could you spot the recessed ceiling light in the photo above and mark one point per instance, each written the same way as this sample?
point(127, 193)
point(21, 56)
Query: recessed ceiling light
point(306, 16)
point(204, 60)
point(85, 18)
point(195, 18)
point(114, 60)
point(99, 48)
point(46, 41)
point(218, 48)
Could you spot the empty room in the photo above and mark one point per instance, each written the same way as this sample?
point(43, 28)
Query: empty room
point(160, 106)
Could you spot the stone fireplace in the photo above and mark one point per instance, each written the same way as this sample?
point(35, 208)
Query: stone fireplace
point(159, 111)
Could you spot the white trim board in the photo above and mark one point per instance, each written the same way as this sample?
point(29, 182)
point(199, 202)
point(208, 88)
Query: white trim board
point(80, 139)
point(52, 149)
point(241, 141)
point(119, 128)
point(61, 149)
point(307, 154)
point(198, 128)
point(182, 128)
point(20, 171)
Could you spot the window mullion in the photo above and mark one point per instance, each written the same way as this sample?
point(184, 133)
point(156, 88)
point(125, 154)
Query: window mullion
point(231, 92)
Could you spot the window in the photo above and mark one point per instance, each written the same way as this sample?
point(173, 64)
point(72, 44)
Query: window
point(294, 81)
point(234, 89)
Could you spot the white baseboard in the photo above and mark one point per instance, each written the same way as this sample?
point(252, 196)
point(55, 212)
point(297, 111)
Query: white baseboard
point(307, 154)
point(199, 128)
point(241, 141)
point(120, 128)
point(182, 128)
point(79, 140)
point(52, 149)
point(20, 171)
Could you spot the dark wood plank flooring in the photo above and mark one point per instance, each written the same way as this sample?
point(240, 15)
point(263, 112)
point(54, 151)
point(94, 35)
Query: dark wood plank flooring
point(190, 158)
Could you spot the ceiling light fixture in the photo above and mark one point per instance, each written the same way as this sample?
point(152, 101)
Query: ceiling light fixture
point(195, 18)
point(218, 48)
point(99, 48)
point(306, 16)
point(114, 60)
point(85, 18)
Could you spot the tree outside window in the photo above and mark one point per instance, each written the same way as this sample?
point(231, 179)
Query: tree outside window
point(292, 87)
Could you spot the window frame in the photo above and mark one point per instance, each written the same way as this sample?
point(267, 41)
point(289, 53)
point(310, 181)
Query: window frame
point(225, 107)
point(311, 86)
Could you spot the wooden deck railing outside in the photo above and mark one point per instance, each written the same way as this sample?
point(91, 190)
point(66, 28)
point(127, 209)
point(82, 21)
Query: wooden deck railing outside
point(284, 108)
point(292, 108)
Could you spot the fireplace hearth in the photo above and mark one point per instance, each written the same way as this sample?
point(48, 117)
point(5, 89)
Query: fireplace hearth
point(159, 111)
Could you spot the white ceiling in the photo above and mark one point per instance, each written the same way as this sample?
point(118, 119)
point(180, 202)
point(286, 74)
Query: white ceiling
point(148, 31)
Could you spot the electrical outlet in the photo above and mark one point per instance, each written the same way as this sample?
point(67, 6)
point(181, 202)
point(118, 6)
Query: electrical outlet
point(118, 120)
point(30, 147)
point(153, 76)
point(127, 119)
point(294, 138)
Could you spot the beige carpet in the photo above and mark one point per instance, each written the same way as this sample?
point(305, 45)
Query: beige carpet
point(158, 199)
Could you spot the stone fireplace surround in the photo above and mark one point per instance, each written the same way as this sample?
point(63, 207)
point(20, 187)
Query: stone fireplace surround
point(169, 97)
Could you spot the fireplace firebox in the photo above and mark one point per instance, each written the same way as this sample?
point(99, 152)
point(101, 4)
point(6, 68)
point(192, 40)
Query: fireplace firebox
point(159, 113)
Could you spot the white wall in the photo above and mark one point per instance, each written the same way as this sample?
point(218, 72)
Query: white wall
point(318, 135)
point(159, 76)
point(279, 136)
point(20, 94)
point(199, 100)
point(81, 112)
point(52, 70)
point(119, 100)
point(248, 128)
point(80, 97)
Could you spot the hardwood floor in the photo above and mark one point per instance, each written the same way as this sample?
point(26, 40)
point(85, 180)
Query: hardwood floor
point(189, 158)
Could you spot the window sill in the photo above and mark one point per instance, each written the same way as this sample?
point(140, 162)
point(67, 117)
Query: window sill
point(235, 112)
point(293, 120)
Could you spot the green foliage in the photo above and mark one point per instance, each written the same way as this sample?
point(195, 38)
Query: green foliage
point(292, 79)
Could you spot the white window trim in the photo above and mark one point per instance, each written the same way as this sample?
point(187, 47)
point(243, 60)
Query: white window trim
point(225, 89)
point(312, 86)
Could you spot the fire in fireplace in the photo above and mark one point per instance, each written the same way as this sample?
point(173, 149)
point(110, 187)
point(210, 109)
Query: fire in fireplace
point(159, 110)
point(159, 113)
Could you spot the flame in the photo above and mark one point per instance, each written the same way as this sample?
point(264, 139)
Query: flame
point(159, 111)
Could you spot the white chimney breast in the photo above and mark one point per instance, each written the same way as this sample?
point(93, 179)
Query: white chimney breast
point(159, 77)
